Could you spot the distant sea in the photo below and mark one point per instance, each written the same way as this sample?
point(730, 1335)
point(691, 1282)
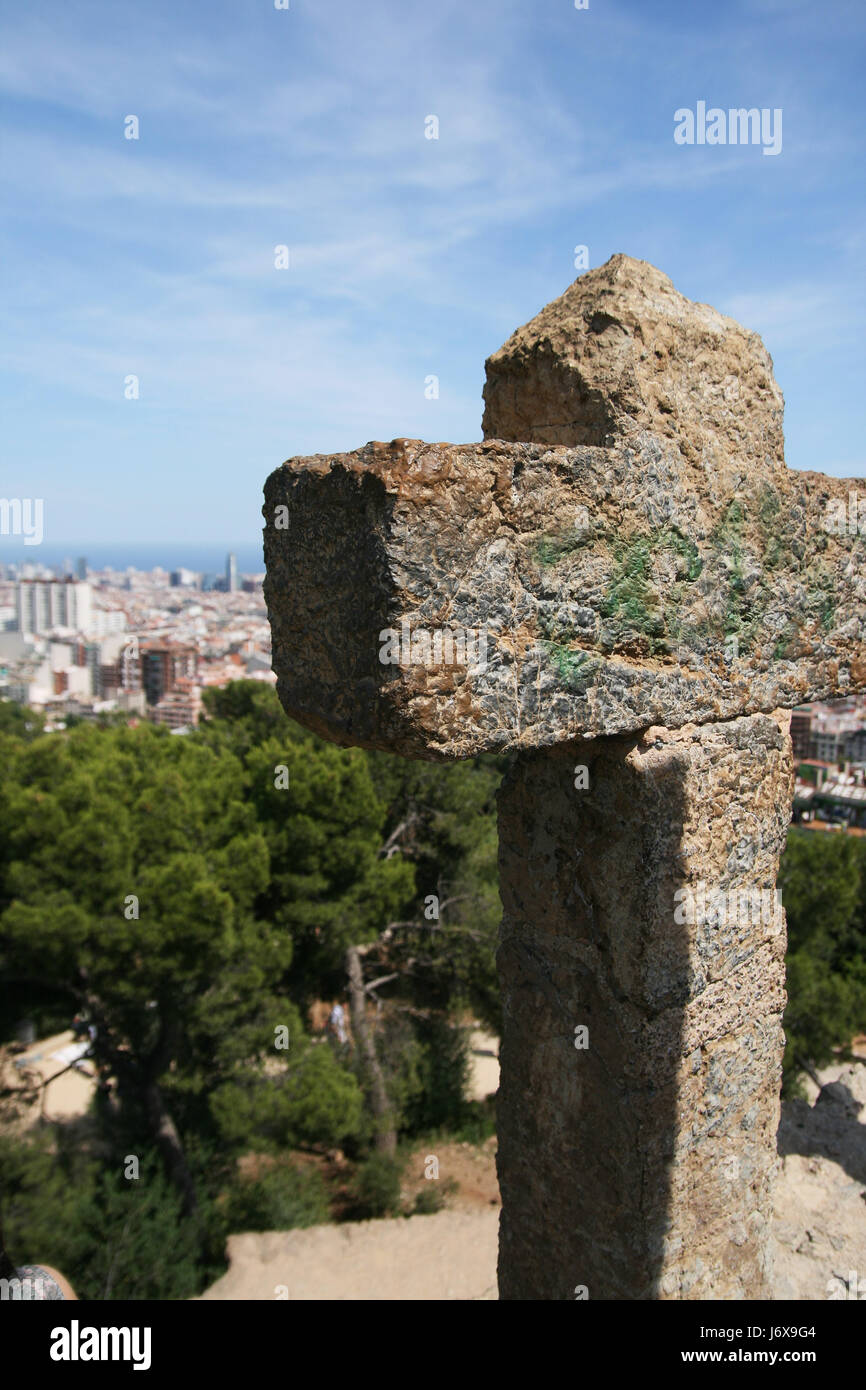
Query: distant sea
point(168, 555)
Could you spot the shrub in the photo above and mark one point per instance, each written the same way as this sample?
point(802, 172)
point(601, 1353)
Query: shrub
point(113, 1238)
point(442, 1070)
point(432, 1197)
point(280, 1199)
point(376, 1187)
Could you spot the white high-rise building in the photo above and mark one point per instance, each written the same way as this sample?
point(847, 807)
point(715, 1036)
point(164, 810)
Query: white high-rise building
point(41, 605)
point(106, 621)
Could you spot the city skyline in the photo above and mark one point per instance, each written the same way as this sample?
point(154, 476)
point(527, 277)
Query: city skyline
point(140, 644)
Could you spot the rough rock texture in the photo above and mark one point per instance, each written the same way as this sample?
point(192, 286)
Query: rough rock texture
point(634, 553)
point(641, 1166)
point(623, 352)
point(616, 587)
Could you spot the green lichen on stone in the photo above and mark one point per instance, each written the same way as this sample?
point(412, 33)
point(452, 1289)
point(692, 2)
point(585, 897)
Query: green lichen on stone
point(575, 668)
point(648, 606)
point(769, 507)
point(727, 540)
point(820, 594)
point(787, 644)
point(828, 613)
point(633, 606)
point(727, 534)
point(686, 549)
point(551, 549)
point(771, 522)
point(745, 603)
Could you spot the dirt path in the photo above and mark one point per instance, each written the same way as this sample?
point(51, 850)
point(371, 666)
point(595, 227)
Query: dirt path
point(65, 1098)
point(484, 1059)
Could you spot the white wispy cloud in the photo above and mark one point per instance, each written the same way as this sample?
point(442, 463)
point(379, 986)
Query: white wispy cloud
point(408, 256)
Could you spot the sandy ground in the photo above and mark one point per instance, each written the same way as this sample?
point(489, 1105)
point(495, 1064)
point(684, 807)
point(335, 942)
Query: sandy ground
point(65, 1098)
point(450, 1255)
point(484, 1077)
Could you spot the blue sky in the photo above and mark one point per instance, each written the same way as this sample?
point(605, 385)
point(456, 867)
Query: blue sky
point(408, 257)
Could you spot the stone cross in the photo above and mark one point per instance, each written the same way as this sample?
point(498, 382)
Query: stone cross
point(623, 586)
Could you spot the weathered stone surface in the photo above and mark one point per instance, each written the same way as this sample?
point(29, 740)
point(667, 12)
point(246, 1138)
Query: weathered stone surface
point(636, 554)
point(641, 1166)
point(622, 352)
point(617, 587)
